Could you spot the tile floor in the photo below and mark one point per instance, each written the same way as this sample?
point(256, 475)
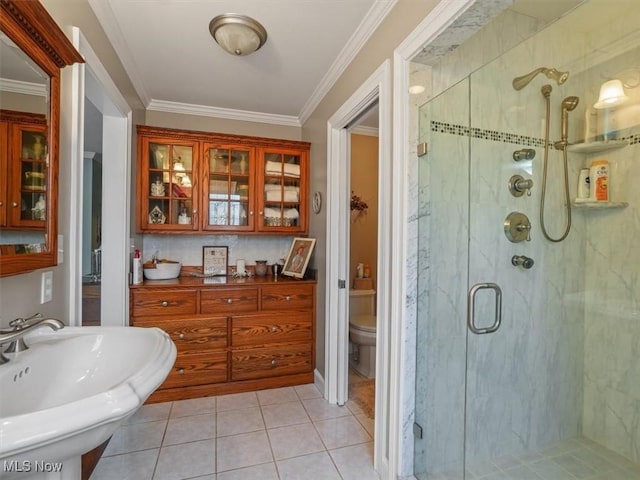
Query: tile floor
point(576, 458)
point(283, 433)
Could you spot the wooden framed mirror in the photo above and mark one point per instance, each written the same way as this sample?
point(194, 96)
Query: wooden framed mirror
point(33, 49)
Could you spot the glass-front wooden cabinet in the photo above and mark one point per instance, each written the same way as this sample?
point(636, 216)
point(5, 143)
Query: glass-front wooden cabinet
point(283, 185)
point(228, 203)
point(198, 182)
point(24, 165)
point(168, 186)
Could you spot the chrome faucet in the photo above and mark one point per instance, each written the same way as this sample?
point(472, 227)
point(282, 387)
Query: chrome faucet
point(20, 327)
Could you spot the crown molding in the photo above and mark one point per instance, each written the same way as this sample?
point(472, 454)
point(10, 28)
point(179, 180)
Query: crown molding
point(26, 88)
point(227, 113)
point(363, 130)
point(109, 24)
point(367, 27)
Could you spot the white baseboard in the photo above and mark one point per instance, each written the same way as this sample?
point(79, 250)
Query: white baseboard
point(318, 381)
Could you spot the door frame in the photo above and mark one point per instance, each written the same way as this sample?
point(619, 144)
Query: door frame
point(91, 80)
point(376, 88)
point(403, 231)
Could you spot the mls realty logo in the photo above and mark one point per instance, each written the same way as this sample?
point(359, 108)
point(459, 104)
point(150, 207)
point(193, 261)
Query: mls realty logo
point(27, 466)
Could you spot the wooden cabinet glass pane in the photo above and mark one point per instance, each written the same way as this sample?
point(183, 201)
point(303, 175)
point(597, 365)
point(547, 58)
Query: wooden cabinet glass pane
point(171, 178)
point(281, 190)
point(228, 193)
point(33, 179)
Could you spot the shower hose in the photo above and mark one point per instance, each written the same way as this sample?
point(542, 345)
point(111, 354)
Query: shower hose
point(544, 177)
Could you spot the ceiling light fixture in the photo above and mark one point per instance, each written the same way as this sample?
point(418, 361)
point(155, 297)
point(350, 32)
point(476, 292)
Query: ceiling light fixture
point(237, 34)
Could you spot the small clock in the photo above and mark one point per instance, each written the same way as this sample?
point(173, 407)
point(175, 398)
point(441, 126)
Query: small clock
point(317, 202)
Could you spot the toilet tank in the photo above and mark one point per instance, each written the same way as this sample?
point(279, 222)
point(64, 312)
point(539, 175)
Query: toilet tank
point(362, 302)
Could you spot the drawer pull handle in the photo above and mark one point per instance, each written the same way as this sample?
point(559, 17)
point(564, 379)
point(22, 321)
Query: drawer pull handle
point(273, 363)
point(288, 298)
point(229, 300)
point(181, 336)
point(274, 328)
point(181, 371)
point(165, 303)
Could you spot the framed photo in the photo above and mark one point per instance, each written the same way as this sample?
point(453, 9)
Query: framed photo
point(214, 260)
point(298, 258)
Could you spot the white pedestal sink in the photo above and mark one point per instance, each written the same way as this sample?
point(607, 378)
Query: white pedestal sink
point(70, 391)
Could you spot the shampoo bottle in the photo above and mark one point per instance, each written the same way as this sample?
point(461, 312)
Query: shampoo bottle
point(599, 181)
point(137, 268)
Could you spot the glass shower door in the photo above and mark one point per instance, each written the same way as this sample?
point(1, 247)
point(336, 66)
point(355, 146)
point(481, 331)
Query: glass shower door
point(443, 230)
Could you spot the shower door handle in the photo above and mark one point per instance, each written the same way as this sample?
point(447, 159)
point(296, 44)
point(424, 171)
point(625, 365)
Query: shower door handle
point(471, 314)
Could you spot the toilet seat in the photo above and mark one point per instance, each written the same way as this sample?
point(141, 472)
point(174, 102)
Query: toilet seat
point(365, 323)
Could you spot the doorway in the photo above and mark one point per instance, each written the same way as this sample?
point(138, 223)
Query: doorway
point(363, 267)
point(94, 88)
point(92, 216)
point(376, 89)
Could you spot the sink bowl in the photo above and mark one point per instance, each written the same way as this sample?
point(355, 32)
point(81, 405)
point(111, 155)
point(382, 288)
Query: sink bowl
point(72, 388)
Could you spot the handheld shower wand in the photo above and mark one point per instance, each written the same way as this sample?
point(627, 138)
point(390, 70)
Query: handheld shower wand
point(568, 104)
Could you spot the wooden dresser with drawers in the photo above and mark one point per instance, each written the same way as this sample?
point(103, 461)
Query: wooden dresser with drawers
point(232, 335)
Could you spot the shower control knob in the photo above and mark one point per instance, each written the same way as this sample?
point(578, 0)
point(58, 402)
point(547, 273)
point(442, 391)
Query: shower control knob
point(524, 154)
point(518, 185)
point(517, 227)
point(522, 261)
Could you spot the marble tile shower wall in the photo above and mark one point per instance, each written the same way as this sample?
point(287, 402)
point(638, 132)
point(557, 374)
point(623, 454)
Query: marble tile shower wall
point(612, 327)
point(188, 248)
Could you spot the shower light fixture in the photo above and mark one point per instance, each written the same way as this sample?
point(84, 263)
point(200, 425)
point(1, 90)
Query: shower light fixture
point(611, 94)
point(237, 34)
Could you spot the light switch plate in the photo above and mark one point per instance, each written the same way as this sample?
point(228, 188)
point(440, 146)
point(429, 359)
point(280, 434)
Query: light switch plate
point(46, 287)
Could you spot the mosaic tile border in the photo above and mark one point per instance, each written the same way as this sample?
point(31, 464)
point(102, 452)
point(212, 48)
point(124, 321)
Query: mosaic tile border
point(504, 137)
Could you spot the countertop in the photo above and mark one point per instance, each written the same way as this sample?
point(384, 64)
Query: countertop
point(191, 281)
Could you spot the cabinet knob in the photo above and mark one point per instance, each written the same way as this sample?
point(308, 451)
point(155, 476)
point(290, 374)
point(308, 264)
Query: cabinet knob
point(274, 328)
point(288, 298)
point(229, 300)
point(181, 336)
point(14, 204)
point(251, 212)
point(165, 303)
point(260, 212)
point(181, 371)
point(195, 211)
point(273, 363)
point(1, 204)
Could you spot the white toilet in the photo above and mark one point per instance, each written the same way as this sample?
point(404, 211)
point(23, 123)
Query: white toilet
point(362, 332)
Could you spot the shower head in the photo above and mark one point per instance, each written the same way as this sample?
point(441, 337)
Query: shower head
point(560, 77)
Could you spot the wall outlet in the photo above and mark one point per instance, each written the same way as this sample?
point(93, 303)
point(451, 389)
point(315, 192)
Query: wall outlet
point(46, 287)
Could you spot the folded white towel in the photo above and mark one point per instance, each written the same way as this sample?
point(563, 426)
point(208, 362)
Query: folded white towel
point(277, 168)
point(291, 213)
point(271, 212)
point(290, 195)
point(273, 168)
point(291, 170)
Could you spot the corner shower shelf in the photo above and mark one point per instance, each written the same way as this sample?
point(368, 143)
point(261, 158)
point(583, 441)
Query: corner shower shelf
point(600, 205)
point(595, 147)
